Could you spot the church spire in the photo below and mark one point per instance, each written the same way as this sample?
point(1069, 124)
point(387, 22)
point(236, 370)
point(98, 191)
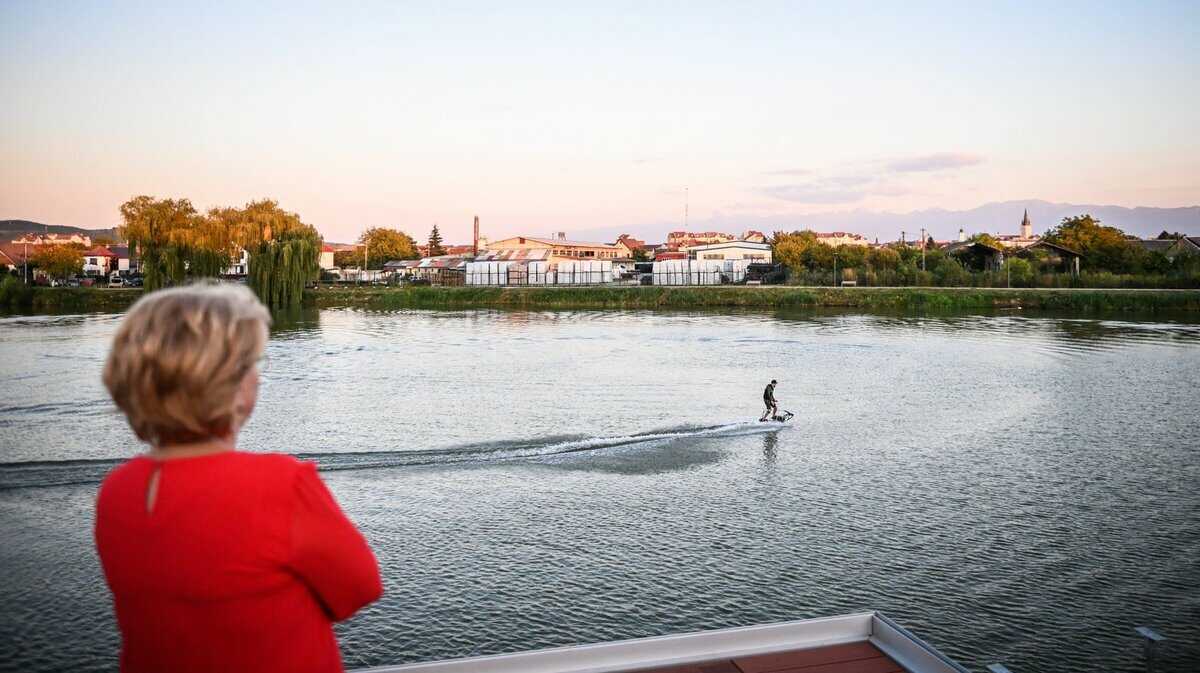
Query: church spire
point(1026, 226)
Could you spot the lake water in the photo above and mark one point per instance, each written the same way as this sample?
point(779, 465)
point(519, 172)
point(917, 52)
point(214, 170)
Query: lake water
point(1014, 488)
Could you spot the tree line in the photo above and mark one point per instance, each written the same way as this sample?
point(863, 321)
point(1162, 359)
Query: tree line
point(1110, 258)
point(174, 242)
point(381, 245)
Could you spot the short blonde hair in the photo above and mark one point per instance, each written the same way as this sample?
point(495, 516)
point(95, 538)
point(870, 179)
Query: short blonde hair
point(179, 356)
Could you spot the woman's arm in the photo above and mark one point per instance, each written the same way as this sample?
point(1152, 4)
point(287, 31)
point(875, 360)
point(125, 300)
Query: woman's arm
point(327, 551)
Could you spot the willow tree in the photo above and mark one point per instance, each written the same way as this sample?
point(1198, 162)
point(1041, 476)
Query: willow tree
point(284, 252)
point(160, 232)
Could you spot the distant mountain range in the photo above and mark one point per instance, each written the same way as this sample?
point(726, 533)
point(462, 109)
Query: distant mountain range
point(11, 229)
point(1002, 218)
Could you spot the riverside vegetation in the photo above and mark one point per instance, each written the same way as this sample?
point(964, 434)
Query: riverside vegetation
point(178, 244)
point(15, 296)
point(1110, 259)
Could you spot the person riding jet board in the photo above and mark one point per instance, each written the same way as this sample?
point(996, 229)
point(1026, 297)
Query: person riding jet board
point(769, 400)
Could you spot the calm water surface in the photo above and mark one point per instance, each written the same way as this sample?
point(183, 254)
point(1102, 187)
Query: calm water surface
point(1012, 488)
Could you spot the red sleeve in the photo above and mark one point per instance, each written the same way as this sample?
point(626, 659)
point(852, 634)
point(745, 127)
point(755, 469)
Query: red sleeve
point(327, 551)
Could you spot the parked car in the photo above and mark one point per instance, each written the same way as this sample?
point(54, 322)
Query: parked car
point(134, 281)
point(116, 281)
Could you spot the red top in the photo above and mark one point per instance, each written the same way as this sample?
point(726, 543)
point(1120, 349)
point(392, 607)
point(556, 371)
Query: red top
point(242, 564)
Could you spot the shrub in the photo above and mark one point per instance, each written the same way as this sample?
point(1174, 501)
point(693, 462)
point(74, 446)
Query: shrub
point(1020, 272)
point(14, 293)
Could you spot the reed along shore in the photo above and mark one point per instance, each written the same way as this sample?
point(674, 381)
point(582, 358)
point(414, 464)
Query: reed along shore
point(86, 300)
point(765, 297)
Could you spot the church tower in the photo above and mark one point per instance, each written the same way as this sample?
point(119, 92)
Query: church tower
point(1026, 227)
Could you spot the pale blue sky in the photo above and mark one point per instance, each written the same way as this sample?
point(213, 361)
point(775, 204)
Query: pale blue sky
point(543, 118)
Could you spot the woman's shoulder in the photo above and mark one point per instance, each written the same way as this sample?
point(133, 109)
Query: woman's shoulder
point(281, 466)
point(132, 472)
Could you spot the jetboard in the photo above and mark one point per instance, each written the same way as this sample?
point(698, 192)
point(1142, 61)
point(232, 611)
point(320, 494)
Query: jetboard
point(778, 418)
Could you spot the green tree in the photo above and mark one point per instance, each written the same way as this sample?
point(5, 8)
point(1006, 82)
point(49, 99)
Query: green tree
point(985, 239)
point(948, 272)
point(1103, 248)
point(1019, 271)
point(160, 231)
point(284, 252)
point(851, 256)
point(640, 255)
point(348, 259)
point(792, 250)
point(435, 243)
point(387, 244)
point(883, 259)
point(58, 261)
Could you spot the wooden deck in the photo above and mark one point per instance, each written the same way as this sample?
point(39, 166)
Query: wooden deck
point(860, 657)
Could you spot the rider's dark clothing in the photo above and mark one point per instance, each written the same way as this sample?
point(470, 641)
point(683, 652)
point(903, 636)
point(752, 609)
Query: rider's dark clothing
point(769, 400)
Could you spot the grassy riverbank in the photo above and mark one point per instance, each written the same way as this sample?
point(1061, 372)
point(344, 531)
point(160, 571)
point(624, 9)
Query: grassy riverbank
point(756, 297)
point(17, 297)
point(83, 300)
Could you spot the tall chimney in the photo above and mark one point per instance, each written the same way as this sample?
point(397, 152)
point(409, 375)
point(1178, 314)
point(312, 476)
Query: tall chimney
point(475, 245)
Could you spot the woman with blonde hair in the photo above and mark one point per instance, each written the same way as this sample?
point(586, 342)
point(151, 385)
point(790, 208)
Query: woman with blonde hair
point(218, 559)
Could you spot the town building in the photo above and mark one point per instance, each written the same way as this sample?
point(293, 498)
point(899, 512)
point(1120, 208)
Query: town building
point(98, 261)
point(54, 239)
point(677, 240)
point(423, 249)
point(240, 265)
point(560, 248)
point(836, 238)
point(1064, 259)
point(629, 245)
point(1171, 247)
point(8, 262)
point(402, 267)
point(654, 249)
point(441, 270)
point(1162, 245)
point(325, 259)
point(1021, 240)
point(1188, 245)
point(731, 250)
point(754, 236)
point(126, 263)
point(977, 255)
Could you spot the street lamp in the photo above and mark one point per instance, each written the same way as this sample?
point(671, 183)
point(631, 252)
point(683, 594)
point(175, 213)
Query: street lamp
point(835, 281)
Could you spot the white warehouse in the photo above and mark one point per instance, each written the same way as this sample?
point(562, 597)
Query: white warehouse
point(731, 250)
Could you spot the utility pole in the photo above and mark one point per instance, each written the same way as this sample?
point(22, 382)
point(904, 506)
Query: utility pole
point(922, 248)
point(835, 283)
point(366, 248)
point(26, 262)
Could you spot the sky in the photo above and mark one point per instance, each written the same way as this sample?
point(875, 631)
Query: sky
point(545, 117)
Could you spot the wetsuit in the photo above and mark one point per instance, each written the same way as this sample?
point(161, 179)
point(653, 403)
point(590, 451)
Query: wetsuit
point(769, 401)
